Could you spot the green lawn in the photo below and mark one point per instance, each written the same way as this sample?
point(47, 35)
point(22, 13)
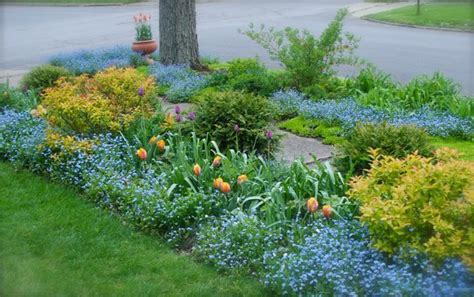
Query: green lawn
point(53, 243)
point(465, 147)
point(448, 15)
point(73, 1)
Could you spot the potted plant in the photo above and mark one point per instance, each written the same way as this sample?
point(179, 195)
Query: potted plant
point(144, 44)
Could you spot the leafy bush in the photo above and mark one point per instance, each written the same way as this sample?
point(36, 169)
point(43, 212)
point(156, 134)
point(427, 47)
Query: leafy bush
point(42, 77)
point(236, 120)
point(92, 61)
point(419, 203)
point(108, 101)
point(250, 75)
point(16, 99)
point(308, 60)
point(390, 140)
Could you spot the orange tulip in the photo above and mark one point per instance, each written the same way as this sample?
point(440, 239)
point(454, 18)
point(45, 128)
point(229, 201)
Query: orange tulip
point(142, 154)
point(217, 161)
point(197, 170)
point(217, 183)
point(225, 187)
point(161, 144)
point(327, 211)
point(312, 205)
point(153, 140)
point(242, 179)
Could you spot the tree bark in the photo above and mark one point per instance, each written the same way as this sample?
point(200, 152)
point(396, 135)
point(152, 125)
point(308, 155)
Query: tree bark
point(178, 37)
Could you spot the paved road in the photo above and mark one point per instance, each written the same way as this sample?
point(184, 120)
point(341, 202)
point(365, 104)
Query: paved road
point(30, 34)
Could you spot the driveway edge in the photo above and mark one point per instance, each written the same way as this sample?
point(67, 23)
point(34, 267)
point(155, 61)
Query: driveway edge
point(367, 18)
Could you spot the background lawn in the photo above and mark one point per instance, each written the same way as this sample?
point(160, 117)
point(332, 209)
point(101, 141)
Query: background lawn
point(53, 243)
point(73, 1)
point(448, 15)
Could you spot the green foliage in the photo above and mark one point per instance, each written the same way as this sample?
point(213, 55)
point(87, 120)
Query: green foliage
point(44, 76)
point(250, 75)
point(107, 102)
point(307, 59)
point(313, 128)
point(16, 99)
point(376, 88)
point(219, 113)
point(419, 203)
point(390, 140)
point(56, 259)
point(464, 147)
point(331, 88)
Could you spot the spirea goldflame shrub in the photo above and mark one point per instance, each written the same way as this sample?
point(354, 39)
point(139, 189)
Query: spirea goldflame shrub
point(426, 204)
point(110, 101)
point(44, 76)
point(236, 120)
point(390, 140)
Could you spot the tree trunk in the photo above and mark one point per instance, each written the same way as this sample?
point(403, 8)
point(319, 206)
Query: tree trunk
point(178, 37)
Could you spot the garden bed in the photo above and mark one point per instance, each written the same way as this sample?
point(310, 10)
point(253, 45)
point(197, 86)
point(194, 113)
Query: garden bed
point(389, 215)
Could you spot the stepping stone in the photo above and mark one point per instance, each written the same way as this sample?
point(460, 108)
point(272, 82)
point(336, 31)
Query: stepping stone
point(294, 147)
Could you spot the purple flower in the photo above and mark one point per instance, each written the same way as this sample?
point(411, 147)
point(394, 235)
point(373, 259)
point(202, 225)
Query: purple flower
point(141, 91)
point(269, 134)
point(179, 118)
point(177, 109)
point(237, 128)
point(192, 116)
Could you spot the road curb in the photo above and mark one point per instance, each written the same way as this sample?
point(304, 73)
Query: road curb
point(366, 18)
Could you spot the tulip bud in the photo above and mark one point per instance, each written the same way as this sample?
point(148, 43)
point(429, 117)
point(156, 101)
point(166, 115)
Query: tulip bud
point(312, 205)
point(217, 161)
point(142, 154)
point(141, 91)
point(327, 211)
point(153, 140)
point(217, 183)
point(197, 170)
point(161, 144)
point(242, 179)
point(237, 129)
point(225, 187)
point(177, 109)
point(269, 134)
point(192, 116)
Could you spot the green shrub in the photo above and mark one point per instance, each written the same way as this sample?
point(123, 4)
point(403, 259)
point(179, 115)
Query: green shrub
point(331, 88)
point(419, 203)
point(390, 140)
point(16, 99)
point(219, 113)
point(107, 102)
point(307, 59)
point(250, 75)
point(44, 76)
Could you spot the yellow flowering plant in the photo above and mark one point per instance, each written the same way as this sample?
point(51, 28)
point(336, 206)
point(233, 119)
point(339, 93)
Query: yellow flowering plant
point(420, 203)
point(110, 101)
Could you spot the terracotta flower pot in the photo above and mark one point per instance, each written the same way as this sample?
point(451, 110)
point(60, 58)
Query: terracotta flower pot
point(145, 47)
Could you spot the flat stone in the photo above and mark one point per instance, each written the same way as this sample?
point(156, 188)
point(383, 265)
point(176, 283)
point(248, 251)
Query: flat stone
point(294, 147)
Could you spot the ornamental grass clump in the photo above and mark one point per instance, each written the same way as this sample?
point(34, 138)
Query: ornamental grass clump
point(419, 203)
point(110, 101)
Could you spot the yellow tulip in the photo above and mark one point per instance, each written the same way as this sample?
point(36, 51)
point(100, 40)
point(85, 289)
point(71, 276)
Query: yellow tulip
point(327, 211)
point(217, 183)
point(161, 144)
point(241, 179)
point(197, 170)
point(142, 154)
point(225, 187)
point(312, 205)
point(217, 161)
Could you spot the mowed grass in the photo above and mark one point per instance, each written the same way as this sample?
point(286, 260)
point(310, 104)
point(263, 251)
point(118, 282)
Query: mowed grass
point(449, 15)
point(465, 147)
point(54, 243)
point(72, 2)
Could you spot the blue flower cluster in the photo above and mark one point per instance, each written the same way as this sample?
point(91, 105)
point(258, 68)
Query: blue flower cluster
point(182, 81)
point(337, 260)
point(92, 61)
point(348, 113)
point(321, 258)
